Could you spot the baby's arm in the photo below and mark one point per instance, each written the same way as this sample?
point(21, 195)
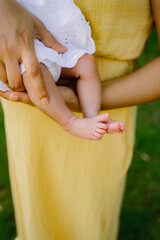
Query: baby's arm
point(139, 87)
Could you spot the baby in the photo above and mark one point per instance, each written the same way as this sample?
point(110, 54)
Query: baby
point(67, 24)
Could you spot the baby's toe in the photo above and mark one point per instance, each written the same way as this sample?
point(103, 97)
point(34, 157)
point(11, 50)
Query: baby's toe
point(114, 126)
point(120, 132)
point(103, 118)
point(101, 125)
point(101, 131)
point(111, 131)
point(122, 127)
point(97, 136)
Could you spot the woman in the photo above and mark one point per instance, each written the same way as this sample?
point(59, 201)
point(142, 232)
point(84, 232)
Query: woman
point(68, 188)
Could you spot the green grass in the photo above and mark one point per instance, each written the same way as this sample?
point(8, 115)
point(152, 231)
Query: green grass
point(140, 218)
point(7, 223)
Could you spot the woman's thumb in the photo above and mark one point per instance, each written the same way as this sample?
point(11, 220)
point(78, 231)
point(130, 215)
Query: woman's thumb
point(46, 37)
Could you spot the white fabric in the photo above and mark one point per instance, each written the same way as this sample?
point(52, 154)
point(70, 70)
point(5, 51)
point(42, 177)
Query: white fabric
point(69, 27)
point(3, 87)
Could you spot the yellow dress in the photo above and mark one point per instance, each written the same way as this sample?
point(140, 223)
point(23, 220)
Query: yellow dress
point(65, 188)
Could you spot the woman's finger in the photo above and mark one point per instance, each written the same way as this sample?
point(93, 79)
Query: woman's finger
point(46, 37)
point(13, 74)
point(16, 96)
point(3, 75)
point(21, 97)
point(9, 57)
point(33, 71)
point(6, 94)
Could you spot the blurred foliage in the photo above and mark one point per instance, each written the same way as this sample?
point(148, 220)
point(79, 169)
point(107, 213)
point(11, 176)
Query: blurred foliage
point(7, 223)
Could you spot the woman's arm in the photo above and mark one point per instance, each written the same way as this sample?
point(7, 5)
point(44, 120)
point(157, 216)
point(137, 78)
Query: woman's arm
point(139, 87)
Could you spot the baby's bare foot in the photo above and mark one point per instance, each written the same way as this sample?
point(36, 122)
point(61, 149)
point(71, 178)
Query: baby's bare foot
point(88, 128)
point(115, 126)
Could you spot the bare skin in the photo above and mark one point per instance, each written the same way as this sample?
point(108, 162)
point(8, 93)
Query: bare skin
point(120, 92)
point(139, 87)
point(17, 33)
point(88, 84)
point(93, 127)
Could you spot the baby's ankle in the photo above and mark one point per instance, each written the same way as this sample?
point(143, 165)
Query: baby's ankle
point(90, 114)
point(68, 125)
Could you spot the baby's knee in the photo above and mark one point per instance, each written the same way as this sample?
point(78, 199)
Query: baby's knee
point(87, 65)
point(88, 59)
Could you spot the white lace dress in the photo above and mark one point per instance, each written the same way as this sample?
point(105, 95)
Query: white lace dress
point(67, 24)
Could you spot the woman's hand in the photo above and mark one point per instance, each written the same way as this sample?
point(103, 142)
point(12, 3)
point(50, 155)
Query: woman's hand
point(16, 96)
point(67, 93)
point(18, 28)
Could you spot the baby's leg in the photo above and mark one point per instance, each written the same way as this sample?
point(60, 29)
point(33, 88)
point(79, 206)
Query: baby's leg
point(88, 128)
point(89, 89)
point(88, 85)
